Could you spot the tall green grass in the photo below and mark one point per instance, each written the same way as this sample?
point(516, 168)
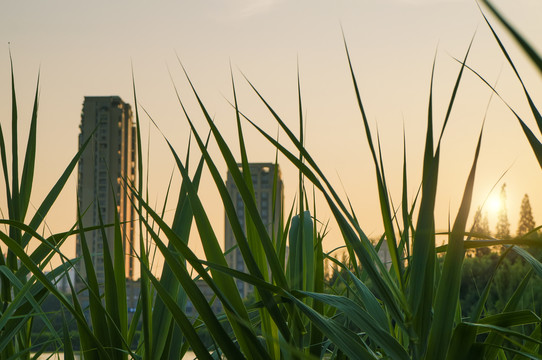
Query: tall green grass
point(408, 310)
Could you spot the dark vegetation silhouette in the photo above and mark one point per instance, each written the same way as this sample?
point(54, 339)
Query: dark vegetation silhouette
point(427, 302)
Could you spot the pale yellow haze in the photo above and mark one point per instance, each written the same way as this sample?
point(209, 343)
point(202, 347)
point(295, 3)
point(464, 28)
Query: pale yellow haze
point(88, 49)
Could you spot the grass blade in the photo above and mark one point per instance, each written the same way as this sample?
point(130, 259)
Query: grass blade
point(178, 314)
point(346, 340)
point(277, 272)
point(447, 296)
point(181, 226)
point(51, 197)
point(254, 243)
point(85, 332)
point(97, 314)
point(529, 50)
point(382, 189)
point(113, 298)
point(361, 245)
point(192, 290)
point(365, 322)
point(242, 241)
point(27, 177)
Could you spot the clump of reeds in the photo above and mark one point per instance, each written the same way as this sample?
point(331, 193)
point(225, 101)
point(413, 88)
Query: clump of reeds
point(409, 310)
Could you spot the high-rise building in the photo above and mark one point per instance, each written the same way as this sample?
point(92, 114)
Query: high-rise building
point(262, 179)
point(106, 165)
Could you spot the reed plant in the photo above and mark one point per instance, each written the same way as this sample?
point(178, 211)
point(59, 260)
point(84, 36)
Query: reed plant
point(408, 309)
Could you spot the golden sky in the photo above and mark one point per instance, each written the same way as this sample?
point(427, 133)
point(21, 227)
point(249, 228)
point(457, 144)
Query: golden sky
point(86, 49)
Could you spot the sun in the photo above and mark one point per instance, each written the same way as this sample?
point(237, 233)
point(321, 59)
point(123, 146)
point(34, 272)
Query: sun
point(494, 204)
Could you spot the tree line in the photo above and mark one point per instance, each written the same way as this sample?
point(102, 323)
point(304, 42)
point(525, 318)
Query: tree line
point(526, 223)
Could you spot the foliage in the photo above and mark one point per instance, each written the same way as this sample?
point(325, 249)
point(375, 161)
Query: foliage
point(480, 224)
point(410, 309)
point(478, 272)
point(526, 220)
point(503, 226)
point(480, 230)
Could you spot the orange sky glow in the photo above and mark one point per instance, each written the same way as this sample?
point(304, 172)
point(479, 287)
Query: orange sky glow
point(86, 49)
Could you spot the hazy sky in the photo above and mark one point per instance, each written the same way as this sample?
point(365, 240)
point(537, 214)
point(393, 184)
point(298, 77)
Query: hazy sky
point(86, 49)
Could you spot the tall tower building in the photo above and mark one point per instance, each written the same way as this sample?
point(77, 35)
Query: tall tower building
point(262, 178)
point(108, 162)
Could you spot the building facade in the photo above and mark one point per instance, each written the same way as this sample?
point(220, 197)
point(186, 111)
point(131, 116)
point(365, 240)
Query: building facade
point(106, 165)
point(269, 201)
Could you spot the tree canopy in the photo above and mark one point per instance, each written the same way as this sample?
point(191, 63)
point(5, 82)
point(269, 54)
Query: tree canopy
point(526, 220)
point(503, 225)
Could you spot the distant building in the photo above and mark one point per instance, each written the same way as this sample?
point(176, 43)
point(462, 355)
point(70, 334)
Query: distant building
point(62, 283)
point(262, 178)
point(384, 254)
point(108, 162)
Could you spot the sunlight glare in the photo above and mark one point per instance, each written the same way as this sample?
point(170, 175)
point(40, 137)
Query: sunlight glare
point(494, 204)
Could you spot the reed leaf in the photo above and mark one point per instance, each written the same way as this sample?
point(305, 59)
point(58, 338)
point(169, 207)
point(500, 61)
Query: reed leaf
point(190, 287)
point(346, 340)
point(381, 182)
point(27, 177)
point(85, 332)
point(251, 208)
point(97, 314)
point(180, 318)
point(242, 241)
point(365, 322)
point(535, 143)
point(360, 245)
point(182, 222)
point(524, 44)
point(495, 339)
point(447, 296)
point(53, 194)
point(113, 292)
point(145, 296)
point(257, 250)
